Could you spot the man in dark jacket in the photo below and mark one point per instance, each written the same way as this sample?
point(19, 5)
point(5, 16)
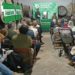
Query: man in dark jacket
point(37, 14)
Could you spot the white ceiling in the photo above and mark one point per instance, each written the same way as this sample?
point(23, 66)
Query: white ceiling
point(29, 2)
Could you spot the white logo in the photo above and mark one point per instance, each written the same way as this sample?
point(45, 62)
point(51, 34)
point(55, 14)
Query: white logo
point(36, 6)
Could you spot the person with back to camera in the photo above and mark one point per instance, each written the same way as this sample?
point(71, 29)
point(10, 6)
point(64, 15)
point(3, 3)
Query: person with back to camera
point(22, 44)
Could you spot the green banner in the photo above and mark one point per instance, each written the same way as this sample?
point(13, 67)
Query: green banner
point(8, 12)
point(45, 24)
point(18, 14)
point(11, 12)
point(46, 10)
point(49, 8)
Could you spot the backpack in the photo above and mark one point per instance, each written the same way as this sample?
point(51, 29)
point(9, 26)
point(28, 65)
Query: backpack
point(14, 60)
point(66, 36)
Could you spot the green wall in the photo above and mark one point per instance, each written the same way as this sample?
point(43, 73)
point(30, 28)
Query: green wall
point(50, 8)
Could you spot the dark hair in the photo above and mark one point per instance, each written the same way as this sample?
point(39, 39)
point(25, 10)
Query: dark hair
point(9, 26)
point(2, 25)
point(23, 29)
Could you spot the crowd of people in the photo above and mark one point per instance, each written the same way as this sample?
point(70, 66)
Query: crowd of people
point(63, 35)
point(20, 42)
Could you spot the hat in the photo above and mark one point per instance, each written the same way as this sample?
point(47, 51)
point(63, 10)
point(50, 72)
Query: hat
point(73, 50)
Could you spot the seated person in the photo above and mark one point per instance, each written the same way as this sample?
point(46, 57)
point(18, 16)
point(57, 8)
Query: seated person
point(3, 69)
point(72, 54)
point(22, 44)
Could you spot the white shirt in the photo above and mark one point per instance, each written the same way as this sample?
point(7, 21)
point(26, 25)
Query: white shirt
point(37, 26)
point(70, 24)
point(34, 30)
point(4, 55)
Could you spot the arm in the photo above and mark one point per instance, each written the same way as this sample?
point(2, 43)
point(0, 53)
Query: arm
point(5, 54)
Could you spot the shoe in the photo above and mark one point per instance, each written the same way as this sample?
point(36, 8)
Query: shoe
point(28, 72)
point(42, 43)
point(71, 63)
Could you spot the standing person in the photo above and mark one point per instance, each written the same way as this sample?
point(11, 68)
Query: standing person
point(38, 26)
point(53, 25)
point(36, 42)
point(38, 17)
point(37, 14)
point(55, 17)
point(22, 44)
point(53, 21)
point(36, 34)
point(30, 29)
point(33, 27)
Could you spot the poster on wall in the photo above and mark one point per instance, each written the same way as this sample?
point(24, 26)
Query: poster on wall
point(49, 8)
point(8, 12)
point(11, 12)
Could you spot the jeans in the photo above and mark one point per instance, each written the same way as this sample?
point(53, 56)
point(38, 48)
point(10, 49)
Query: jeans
point(73, 58)
point(4, 70)
point(37, 47)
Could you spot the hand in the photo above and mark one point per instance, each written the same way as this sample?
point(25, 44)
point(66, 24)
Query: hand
point(17, 31)
point(9, 52)
point(38, 15)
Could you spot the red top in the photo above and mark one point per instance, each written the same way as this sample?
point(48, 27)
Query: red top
point(66, 26)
